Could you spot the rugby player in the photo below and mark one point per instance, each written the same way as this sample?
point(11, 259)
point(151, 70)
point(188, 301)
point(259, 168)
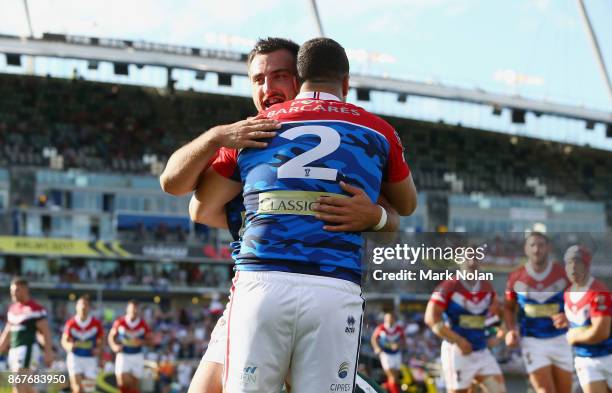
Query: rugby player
point(126, 338)
point(588, 306)
point(26, 319)
point(536, 290)
point(388, 340)
point(466, 359)
point(270, 63)
point(297, 256)
point(82, 341)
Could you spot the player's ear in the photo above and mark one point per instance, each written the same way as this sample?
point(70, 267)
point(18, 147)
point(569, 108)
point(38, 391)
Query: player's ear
point(345, 87)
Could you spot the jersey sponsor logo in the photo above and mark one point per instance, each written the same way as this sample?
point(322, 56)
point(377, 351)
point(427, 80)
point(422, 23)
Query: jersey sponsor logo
point(290, 202)
point(350, 325)
point(472, 321)
point(340, 387)
point(541, 310)
point(343, 369)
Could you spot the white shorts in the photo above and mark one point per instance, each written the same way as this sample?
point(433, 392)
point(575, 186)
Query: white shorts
point(217, 346)
point(82, 365)
point(24, 357)
point(594, 369)
point(542, 352)
point(460, 370)
point(391, 361)
point(129, 363)
point(275, 319)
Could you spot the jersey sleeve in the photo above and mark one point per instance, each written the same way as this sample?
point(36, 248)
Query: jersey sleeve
point(510, 293)
point(601, 305)
point(397, 168)
point(377, 331)
point(116, 324)
point(442, 295)
point(100, 329)
point(67, 328)
point(226, 163)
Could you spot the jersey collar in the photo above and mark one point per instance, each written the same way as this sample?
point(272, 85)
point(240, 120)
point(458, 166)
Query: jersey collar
point(317, 95)
point(539, 276)
point(82, 324)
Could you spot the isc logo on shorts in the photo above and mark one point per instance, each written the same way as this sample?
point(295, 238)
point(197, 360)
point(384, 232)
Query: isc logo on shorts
point(350, 325)
point(249, 375)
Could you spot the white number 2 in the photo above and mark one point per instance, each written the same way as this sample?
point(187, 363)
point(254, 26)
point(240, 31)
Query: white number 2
point(295, 167)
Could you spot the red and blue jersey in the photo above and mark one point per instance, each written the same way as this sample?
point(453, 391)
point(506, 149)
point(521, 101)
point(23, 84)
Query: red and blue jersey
point(130, 332)
point(581, 307)
point(539, 297)
point(466, 309)
point(322, 141)
point(387, 338)
point(84, 334)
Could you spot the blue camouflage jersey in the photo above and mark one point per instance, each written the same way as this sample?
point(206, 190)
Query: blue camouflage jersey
point(322, 141)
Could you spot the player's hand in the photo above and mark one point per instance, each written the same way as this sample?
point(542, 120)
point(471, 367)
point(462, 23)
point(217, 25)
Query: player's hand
point(245, 133)
point(465, 346)
point(559, 320)
point(512, 338)
point(49, 357)
point(573, 335)
point(116, 348)
point(354, 214)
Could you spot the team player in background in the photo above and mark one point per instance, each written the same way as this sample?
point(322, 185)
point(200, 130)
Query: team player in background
point(388, 340)
point(126, 338)
point(466, 359)
point(82, 341)
point(536, 290)
point(588, 306)
point(26, 320)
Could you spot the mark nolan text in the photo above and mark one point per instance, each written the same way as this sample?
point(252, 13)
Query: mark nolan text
point(421, 275)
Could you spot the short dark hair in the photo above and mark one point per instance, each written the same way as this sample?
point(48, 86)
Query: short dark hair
point(133, 301)
point(322, 60)
point(19, 281)
point(537, 234)
point(272, 44)
point(84, 298)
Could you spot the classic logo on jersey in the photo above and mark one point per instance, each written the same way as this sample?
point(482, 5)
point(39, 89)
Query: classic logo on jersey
point(541, 310)
point(350, 322)
point(290, 202)
point(343, 369)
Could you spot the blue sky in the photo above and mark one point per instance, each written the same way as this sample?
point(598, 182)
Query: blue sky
point(486, 44)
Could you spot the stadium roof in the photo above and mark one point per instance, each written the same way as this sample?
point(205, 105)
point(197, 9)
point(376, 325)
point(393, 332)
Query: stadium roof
point(233, 63)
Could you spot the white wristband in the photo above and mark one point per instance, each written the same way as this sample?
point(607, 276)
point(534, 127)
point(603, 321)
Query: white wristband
point(383, 220)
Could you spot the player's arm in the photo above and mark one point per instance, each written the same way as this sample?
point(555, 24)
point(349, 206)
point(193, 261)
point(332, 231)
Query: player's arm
point(433, 319)
point(67, 342)
point(402, 195)
point(185, 165)
point(207, 205)
point(5, 339)
point(112, 342)
point(596, 333)
point(42, 326)
point(374, 341)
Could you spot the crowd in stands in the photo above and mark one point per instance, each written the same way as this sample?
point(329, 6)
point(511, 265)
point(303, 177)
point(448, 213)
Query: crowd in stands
point(106, 127)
